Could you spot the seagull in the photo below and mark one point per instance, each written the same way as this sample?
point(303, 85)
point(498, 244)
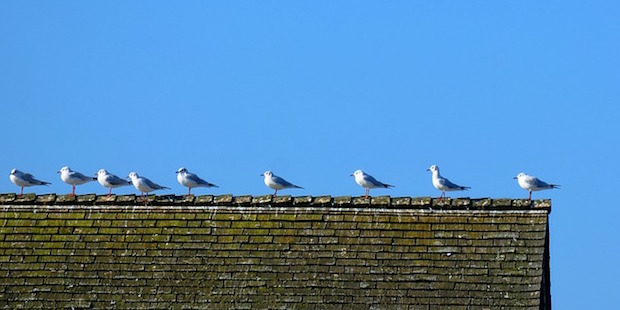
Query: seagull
point(367, 181)
point(190, 180)
point(143, 184)
point(24, 180)
point(532, 183)
point(277, 182)
point(110, 181)
point(443, 184)
point(73, 178)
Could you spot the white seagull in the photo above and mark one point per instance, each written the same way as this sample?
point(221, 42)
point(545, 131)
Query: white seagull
point(276, 182)
point(73, 178)
point(24, 180)
point(532, 183)
point(190, 180)
point(143, 184)
point(110, 181)
point(367, 181)
point(443, 184)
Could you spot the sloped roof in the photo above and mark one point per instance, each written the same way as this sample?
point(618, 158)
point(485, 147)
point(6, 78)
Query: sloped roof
point(263, 252)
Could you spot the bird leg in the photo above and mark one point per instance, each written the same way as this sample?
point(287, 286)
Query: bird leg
point(275, 193)
point(21, 193)
point(367, 193)
point(109, 192)
point(189, 189)
point(72, 190)
point(529, 198)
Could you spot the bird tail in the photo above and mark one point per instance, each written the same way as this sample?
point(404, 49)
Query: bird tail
point(465, 187)
point(295, 186)
point(45, 183)
point(212, 185)
point(554, 186)
point(387, 185)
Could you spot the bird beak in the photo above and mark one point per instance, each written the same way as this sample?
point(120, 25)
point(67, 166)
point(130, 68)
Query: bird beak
point(428, 169)
point(58, 171)
point(262, 174)
point(515, 178)
point(351, 174)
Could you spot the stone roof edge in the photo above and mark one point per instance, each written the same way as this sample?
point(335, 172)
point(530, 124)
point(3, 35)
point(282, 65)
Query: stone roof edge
point(268, 201)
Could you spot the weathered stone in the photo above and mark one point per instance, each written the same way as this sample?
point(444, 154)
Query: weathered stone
point(441, 202)
point(303, 200)
point(542, 204)
point(203, 200)
point(361, 201)
point(481, 203)
point(65, 199)
point(7, 198)
point(421, 201)
point(86, 199)
point(282, 200)
point(242, 200)
point(461, 202)
point(322, 200)
point(46, 199)
point(521, 203)
point(105, 199)
point(260, 200)
point(501, 203)
point(222, 199)
point(125, 199)
point(381, 201)
point(401, 201)
point(342, 201)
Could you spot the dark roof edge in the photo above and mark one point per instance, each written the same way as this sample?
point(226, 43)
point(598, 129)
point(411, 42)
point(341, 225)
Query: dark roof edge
point(268, 200)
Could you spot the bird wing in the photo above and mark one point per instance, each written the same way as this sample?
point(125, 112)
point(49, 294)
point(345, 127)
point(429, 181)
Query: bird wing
point(196, 179)
point(538, 183)
point(77, 175)
point(446, 183)
point(374, 181)
point(114, 180)
point(32, 180)
point(283, 182)
point(152, 184)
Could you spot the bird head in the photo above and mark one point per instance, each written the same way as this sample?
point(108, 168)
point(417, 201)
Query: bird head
point(433, 168)
point(64, 169)
point(182, 170)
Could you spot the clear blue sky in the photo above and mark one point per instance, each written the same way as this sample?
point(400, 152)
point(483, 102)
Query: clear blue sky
point(315, 90)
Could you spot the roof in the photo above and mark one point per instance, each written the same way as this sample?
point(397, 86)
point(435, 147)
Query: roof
point(264, 252)
point(269, 200)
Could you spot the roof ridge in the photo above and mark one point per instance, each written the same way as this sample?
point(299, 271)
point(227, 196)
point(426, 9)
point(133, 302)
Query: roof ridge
point(462, 203)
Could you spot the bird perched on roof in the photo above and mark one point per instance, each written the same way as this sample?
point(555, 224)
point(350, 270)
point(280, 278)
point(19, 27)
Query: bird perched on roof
point(367, 181)
point(191, 180)
point(73, 178)
point(443, 184)
point(276, 182)
point(143, 184)
point(22, 180)
point(532, 183)
point(110, 181)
